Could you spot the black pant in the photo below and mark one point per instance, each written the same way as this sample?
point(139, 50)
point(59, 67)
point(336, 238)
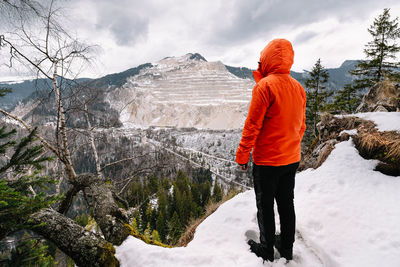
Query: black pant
point(275, 182)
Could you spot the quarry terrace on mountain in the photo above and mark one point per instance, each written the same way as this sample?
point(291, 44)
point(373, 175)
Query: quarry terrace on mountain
point(203, 94)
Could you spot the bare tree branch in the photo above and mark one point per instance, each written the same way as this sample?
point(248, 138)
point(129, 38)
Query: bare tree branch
point(29, 128)
point(14, 50)
point(125, 159)
point(91, 139)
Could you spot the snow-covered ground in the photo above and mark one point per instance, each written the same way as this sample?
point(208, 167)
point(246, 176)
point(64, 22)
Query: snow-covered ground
point(385, 121)
point(347, 215)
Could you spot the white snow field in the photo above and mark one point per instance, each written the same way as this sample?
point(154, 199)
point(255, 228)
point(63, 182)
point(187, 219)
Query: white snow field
point(347, 215)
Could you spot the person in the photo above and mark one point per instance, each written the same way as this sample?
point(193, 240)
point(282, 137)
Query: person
point(274, 128)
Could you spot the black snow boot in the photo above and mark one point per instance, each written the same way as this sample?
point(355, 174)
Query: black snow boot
point(286, 253)
point(261, 250)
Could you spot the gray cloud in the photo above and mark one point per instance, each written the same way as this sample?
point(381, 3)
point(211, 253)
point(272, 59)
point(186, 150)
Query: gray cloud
point(251, 19)
point(229, 22)
point(126, 30)
point(304, 36)
point(127, 22)
point(146, 31)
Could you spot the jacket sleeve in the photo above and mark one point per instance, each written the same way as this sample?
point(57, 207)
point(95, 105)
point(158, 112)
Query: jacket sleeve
point(254, 122)
point(303, 125)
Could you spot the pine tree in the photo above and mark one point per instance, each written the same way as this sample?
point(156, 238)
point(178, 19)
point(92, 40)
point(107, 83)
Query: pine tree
point(205, 193)
point(147, 231)
point(175, 228)
point(155, 236)
point(195, 188)
point(161, 226)
point(145, 214)
point(30, 252)
point(182, 182)
point(317, 96)
point(152, 184)
point(162, 200)
point(217, 192)
point(380, 53)
point(17, 201)
point(346, 100)
point(134, 225)
point(82, 220)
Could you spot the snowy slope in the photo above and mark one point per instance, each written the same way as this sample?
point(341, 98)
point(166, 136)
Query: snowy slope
point(347, 215)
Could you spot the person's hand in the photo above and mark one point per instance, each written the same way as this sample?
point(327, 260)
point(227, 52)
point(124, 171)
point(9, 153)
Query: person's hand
point(243, 167)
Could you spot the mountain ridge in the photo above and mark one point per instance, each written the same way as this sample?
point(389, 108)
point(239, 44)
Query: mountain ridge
point(205, 94)
point(338, 77)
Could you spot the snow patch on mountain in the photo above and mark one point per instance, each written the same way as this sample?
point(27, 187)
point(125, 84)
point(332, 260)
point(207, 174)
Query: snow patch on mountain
point(183, 92)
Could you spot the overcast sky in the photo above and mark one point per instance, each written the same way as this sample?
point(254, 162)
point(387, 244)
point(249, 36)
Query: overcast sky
point(133, 32)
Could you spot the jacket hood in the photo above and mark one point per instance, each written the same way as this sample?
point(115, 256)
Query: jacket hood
point(276, 57)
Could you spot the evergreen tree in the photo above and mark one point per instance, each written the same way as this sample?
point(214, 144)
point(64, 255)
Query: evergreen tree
point(186, 206)
point(153, 218)
point(380, 53)
point(182, 182)
point(217, 192)
point(144, 215)
point(30, 252)
point(205, 193)
point(153, 184)
point(17, 201)
point(82, 220)
point(147, 231)
point(176, 204)
point(161, 226)
point(162, 200)
point(195, 189)
point(175, 228)
point(317, 96)
point(134, 224)
point(155, 236)
point(346, 100)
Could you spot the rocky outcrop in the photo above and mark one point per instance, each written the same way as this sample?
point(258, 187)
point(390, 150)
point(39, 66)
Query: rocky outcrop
point(384, 96)
point(369, 141)
point(332, 130)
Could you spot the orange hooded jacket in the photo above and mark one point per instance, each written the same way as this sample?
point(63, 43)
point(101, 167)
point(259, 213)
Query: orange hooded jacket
point(275, 123)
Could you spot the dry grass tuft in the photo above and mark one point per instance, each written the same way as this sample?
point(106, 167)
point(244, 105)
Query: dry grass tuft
point(331, 126)
point(193, 224)
point(384, 146)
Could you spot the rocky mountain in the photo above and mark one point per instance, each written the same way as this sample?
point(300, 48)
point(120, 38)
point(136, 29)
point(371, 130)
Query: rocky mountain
point(25, 90)
point(186, 91)
point(338, 77)
point(202, 94)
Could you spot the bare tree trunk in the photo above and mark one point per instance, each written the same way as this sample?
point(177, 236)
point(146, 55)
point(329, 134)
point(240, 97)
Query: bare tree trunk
point(91, 140)
point(84, 247)
point(63, 128)
point(112, 220)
